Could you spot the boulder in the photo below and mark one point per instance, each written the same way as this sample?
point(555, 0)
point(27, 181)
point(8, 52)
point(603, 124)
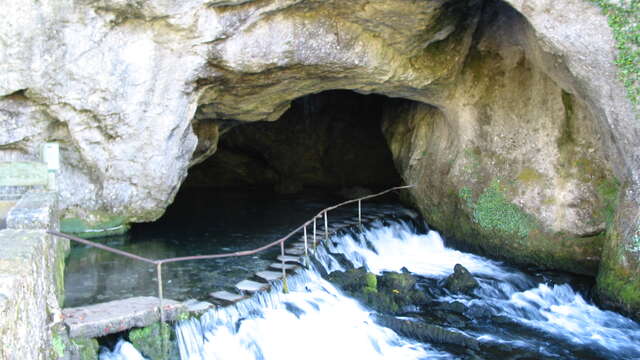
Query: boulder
point(461, 281)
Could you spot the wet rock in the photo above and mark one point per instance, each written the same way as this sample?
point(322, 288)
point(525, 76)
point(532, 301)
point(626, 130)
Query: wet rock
point(155, 341)
point(427, 332)
point(388, 293)
point(461, 281)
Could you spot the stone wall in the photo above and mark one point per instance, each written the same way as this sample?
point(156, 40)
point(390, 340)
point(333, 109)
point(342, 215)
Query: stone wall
point(31, 279)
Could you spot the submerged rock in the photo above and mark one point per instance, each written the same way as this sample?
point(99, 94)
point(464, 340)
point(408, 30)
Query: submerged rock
point(461, 281)
point(427, 332)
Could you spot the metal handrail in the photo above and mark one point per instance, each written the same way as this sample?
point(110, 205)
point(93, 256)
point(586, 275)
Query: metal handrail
point(223, 255)
point(281, 241)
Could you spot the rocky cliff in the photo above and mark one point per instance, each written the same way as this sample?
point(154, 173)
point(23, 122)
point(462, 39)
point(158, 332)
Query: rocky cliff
point(519, 134)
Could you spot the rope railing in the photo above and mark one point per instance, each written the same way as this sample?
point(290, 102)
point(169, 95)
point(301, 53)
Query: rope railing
point(159, 262)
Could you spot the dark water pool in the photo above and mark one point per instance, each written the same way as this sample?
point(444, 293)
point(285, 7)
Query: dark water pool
point(199, 222)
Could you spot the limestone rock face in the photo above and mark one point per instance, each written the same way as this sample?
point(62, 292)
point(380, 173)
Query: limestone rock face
point(518, 112)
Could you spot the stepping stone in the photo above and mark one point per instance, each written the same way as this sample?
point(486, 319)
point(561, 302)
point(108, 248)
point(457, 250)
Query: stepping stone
point(287, 267)
point(289, 258)
point(197, 306)
point(225, 298)
point(116, 316)
point(251, 286)
point(269, 275)
point(295, 251)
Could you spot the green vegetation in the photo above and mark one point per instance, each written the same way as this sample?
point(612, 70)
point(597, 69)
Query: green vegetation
point(466, 194)
point(529, 175)
point(624, 20)
point(494, 212)
point(371, 283)
point(154, 341)
point(608, 190)
point(58, 346)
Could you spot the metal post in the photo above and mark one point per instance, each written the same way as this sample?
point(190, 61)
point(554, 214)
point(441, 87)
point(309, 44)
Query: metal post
point(285, 287)
point(314, 233)
point(160, 297)
point(326, 227)
point(305, 241)
point(360, 211)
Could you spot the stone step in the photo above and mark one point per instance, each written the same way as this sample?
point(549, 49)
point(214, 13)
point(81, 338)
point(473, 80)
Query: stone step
point(197, 306)
point(225, 298)
point(269, 275)
point(251, 286)
point(295, 251)
point(116, 316)
point(289, 259)
point(287, 267)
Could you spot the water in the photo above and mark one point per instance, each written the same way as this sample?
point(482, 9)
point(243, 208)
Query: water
point(199, 222)
point(513, 314)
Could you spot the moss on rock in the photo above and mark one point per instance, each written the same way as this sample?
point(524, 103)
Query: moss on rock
point(103, 225)
point(154, 341)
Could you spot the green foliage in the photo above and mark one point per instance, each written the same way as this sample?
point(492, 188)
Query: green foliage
point(154, 341)
point(58, 346)
point(466, 194)
point(624, 20)
point(371, 283)
point(494, 212)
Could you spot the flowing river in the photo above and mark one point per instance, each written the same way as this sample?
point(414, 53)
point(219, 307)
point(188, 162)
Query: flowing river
point(512, 315)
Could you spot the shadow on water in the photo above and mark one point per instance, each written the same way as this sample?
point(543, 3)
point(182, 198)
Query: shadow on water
point(199, 222)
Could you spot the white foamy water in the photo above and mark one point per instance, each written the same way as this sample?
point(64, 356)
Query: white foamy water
point(281, 326)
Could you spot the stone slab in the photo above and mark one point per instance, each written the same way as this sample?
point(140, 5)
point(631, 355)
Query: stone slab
point(197, 306)
point(287, 267)
point(269, 275)
point(36, 210)
point(119, 315)
point(225, 298)
point(251, 286)
point(289, 258)
point(296, 251)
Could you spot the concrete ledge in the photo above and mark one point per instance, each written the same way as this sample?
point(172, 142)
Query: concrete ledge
point(29, 280)
point(36, 210)
point(119, 315)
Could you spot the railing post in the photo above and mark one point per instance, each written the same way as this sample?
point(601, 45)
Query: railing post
point(161, 306)
point(326, 226)
point(305, 241)
point(360, 212)
point(285, 286)
point(314, 232)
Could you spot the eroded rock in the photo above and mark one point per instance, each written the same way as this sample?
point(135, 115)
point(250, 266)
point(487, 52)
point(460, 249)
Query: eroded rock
point(461, 281)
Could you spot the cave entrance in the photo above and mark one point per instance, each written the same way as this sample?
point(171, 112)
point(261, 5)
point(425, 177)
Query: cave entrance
point(331, 141)
point(264, 179)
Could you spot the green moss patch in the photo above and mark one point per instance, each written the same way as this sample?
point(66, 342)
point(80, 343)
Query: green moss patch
point(529, 175)
point(493, 211)
point(154, 341)
point(609, 190)
point(108, 226)
point(624, 20)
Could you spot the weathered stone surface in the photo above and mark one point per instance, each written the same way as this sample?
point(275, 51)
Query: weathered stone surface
point(514, 165)
point(461, 281)
point(36, 210)
point(249, 286)
point(269, 275)
point(115, 316)
point(225, 298)
point(136, 93)
point(31, 275)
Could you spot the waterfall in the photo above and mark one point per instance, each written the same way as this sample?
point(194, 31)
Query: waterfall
point(316, 321)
